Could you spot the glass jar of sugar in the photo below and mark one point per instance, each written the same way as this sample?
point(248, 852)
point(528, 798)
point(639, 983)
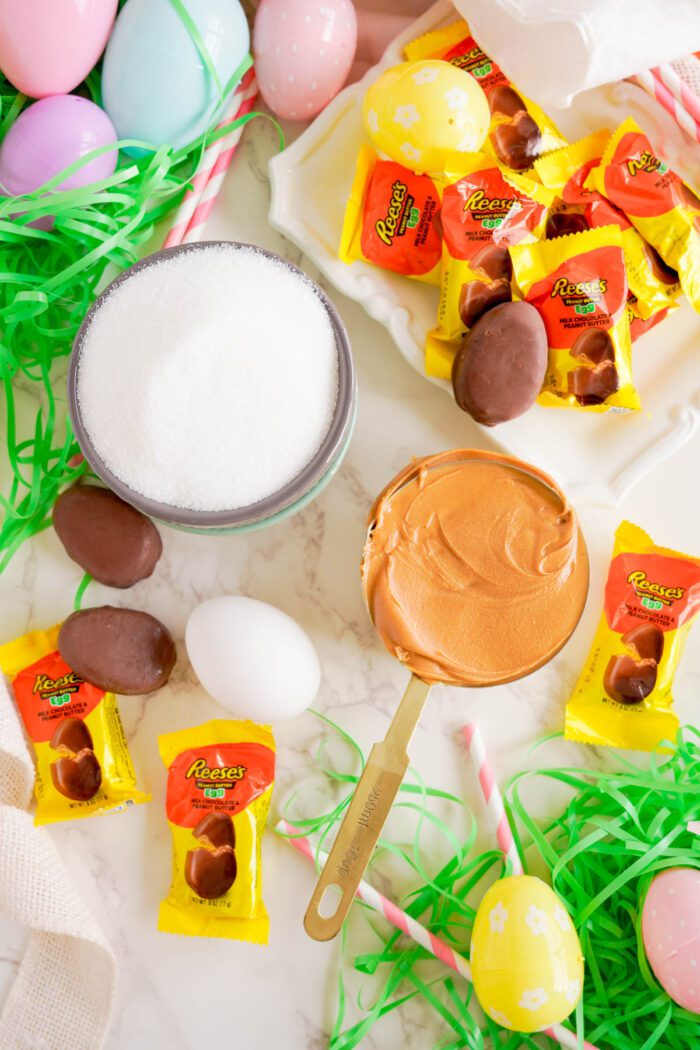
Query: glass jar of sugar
point(212, 386)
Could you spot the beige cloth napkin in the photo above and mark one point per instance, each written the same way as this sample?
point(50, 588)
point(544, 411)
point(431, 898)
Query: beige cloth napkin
point(63, 994)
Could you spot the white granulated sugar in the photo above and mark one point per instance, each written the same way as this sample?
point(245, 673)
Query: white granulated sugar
point(209, 381)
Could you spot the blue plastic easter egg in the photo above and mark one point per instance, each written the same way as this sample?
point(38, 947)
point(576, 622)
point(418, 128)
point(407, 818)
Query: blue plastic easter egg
point(155, 84)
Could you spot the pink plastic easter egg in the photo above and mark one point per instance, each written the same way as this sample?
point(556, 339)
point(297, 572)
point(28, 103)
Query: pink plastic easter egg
point(303, 53)
point(48, 46)
point(671, 934)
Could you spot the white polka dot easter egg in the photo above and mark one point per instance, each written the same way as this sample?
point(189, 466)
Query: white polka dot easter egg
point(303, 53)
point(424, 115)
point(671, 934)
point(526, 958)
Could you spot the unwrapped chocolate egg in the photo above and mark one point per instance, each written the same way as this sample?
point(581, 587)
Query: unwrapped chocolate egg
point(426, 114)
point(303, 53)
point(500, 367)
point(114, 542)
point(120, 650)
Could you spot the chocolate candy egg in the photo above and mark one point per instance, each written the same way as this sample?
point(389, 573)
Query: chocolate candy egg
point(526, 958)
point(77, 777)
point(478, 297)
point(210, 873)
point(629, 681)
point(500, 367)
point(303, 53)
point(114, 542)
point(71, 734)
point(517, 144)
point(671, 934)
point(646, 640)
point(216, 829)
point(120, 650)
point(426, 114)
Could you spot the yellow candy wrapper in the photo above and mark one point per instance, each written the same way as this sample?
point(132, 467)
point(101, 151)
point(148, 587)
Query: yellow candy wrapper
point(484, 211)
point(639, 325)
point(392, 219)
point(220, 779)
point(579, 286)
point(654, 285)
point(656, 201)
point(82, 761)
point(624, 695)
point(519, 131)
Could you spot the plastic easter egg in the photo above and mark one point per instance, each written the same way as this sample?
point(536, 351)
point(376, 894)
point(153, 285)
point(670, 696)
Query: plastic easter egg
point(252, 658)
point(424, 115)
point(671, 934)
point(526, 958)
point(155, 85)
point(303, 53)
point(47, 137)
point(48, 46)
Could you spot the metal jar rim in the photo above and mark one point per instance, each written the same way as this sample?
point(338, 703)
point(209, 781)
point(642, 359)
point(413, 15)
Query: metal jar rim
point(294, 490)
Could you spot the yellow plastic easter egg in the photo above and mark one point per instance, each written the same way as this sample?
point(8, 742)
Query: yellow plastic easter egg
point(425, 115)
point(526, 957)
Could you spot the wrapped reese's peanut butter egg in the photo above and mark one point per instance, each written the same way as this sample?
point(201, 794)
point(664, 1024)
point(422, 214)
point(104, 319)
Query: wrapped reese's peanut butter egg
point(82, 761)
point(654, 285)
point(624, 695)
point(579, 286)
point(656, 201)
point(392, 219)
point(519, 131)
point(220, 779)
point(483, 212)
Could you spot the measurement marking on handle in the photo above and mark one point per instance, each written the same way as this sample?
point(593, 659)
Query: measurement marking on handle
point(352, 852)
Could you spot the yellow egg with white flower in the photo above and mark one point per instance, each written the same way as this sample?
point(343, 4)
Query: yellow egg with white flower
point(426, 115)
point(527, 964)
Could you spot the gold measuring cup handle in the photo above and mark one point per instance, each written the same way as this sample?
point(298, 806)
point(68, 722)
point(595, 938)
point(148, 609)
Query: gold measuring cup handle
point(365, 817)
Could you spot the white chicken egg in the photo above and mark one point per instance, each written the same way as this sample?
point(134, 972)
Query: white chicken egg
point(252, 658)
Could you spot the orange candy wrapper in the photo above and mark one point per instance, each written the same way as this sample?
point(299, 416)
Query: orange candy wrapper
point(654, 285)
point(484, 211)
point(579, 286)
point(392, 219)
point(624, 695)
point(656, 201)
point(520, 131)
point(82, 761)
point(220, 779)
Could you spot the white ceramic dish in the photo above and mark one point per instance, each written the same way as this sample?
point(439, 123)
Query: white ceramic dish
point(597, 457)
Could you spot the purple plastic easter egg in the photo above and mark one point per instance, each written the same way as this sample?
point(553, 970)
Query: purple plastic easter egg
point(47, 137)
point(48, 46)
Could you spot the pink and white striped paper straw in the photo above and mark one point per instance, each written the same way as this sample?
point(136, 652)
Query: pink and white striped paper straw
point(492, 796)
point(415, 930)
point(199, 200)
point(678, 87)
point(654, 85)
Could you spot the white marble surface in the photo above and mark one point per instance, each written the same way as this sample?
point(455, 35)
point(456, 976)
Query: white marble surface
point(186, 993)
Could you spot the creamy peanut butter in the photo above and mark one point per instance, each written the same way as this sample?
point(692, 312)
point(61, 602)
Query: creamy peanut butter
point(475, 570)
